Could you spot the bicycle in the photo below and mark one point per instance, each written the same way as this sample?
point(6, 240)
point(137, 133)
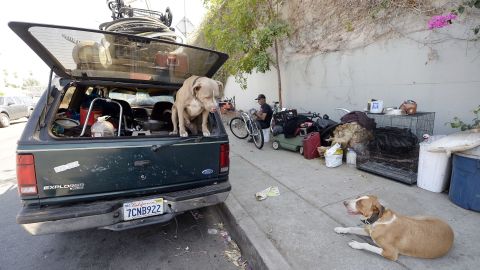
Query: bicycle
point(243, 126)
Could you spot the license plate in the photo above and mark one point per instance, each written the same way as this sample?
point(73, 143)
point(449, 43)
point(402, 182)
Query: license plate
point(141, 209)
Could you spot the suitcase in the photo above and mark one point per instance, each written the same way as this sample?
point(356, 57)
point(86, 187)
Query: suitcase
point(310, 144)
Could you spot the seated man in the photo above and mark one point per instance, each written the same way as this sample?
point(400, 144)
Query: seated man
point(264, 115)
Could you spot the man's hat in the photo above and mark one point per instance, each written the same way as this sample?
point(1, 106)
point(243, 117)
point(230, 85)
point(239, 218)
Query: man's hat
point(260, 97)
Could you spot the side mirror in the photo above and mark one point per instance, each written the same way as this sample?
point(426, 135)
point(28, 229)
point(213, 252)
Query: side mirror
point(10, 103)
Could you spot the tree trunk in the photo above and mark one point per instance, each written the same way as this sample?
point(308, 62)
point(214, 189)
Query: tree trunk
point(279, 77)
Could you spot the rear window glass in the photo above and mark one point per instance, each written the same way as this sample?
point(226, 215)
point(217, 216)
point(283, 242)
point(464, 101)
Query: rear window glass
point(140, 99)
point(84, 53)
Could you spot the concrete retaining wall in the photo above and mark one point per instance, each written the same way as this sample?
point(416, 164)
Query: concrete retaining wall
point(443, 79)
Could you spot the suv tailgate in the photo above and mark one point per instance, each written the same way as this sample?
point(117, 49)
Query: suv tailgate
point(83, 168)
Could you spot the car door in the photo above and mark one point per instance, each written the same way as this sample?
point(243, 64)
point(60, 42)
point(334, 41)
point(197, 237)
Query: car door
point(14, 110)
point(22, 106)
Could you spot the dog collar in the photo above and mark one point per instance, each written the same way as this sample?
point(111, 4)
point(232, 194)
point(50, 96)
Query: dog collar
point(374, 217)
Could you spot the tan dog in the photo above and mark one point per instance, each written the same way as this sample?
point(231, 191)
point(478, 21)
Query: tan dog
point(422, 237)
point(196, 97)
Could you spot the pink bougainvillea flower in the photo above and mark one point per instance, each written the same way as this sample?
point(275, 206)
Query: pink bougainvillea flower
point(440, 21)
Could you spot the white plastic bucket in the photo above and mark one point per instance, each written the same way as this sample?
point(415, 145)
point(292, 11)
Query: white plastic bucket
point(434, 168)
point(334, 160)
point(266, 134)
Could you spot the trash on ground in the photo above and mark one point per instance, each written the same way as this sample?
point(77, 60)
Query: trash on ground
point(268, 192)
point(334, 156)
point(234, 255)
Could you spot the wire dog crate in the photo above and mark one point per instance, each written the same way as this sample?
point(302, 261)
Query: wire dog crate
point(419, 123)
point(401, 167)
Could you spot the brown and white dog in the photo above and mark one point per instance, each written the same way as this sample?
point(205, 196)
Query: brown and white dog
point(196, 97)
point(422, 237)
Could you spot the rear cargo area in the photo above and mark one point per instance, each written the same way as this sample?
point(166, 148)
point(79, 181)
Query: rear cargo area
point(114, 141)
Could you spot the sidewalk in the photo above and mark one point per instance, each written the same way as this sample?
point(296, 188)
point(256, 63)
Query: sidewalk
point(296, 228)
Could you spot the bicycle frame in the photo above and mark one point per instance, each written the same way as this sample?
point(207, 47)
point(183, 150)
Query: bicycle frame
point(251, 129)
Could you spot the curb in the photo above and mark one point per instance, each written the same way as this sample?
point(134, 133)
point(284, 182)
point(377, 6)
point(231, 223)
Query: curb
point(257, 249)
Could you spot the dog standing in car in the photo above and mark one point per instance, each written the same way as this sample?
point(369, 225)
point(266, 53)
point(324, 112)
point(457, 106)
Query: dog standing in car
point(195, 98)
point(421, 237)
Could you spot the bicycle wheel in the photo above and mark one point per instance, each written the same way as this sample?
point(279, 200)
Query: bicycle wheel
point(238, 128)
point(257, 134)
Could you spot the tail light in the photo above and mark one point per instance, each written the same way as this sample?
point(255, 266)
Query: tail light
point(26, 179)
point(224, 157)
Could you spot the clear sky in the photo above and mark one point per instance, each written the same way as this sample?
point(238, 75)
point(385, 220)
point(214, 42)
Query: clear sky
point(16, 56)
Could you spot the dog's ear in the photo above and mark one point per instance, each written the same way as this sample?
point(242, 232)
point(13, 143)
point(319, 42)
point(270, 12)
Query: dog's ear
point(195, 88)
point(365, 207)
point(191, 83)
point(219, 93)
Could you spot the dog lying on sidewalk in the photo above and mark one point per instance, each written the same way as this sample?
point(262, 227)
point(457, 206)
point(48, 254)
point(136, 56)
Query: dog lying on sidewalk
point(422, 237)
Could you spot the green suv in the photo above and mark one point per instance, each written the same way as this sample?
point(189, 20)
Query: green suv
point(96, 151)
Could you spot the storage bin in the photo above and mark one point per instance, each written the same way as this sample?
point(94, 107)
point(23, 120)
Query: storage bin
point(434, 168)
point(465, 182)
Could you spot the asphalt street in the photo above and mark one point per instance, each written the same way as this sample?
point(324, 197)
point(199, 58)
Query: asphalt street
point(185, 243)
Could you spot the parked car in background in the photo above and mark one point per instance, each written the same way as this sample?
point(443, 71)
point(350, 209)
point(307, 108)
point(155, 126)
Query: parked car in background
point(13, 108)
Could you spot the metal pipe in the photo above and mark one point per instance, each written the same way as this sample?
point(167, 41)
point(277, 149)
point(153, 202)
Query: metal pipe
point(90, 111)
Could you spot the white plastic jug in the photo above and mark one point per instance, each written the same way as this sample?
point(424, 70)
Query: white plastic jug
point(266, 134)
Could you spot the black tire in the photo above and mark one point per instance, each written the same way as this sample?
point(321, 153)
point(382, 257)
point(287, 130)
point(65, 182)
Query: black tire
point(4, 120)
point(238, 128)
point(257, 135)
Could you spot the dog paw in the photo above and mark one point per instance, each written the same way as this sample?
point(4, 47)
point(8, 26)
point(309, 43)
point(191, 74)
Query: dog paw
point(355, 245)
point(173, 133)
point(184, 134)
point(206, 134)
point(340, 230)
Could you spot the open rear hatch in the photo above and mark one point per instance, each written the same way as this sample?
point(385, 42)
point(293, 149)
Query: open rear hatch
point(92, 54)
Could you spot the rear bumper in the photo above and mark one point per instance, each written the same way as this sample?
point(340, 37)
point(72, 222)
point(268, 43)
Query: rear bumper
point(109, 214)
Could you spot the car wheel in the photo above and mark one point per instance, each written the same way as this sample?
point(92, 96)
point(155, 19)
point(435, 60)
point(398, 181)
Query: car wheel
point(275, 145)
point(4, 120)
